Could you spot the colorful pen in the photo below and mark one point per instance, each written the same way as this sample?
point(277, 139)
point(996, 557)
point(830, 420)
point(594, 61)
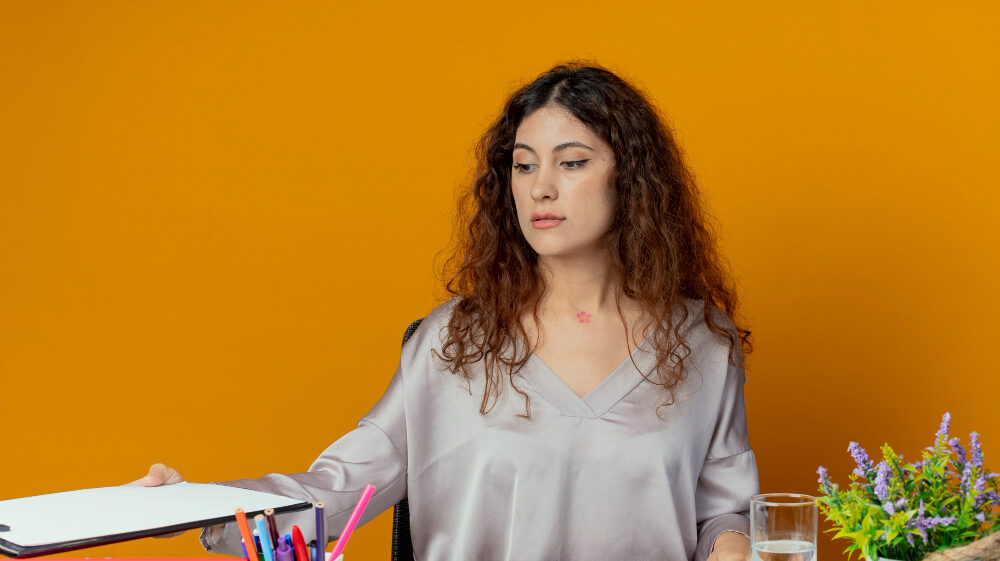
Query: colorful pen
point(272, 526)
point(243, 545)
point(285, 552)
point(366, 495)
point(321, 536)
point(241, 520)
point(299, 543)
point(258, 557)
point(265, 540)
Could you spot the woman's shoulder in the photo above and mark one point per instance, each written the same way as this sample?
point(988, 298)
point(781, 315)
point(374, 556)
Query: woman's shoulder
point(697, 332)
point(441, 314)
point(693, 312)
point(427, 331)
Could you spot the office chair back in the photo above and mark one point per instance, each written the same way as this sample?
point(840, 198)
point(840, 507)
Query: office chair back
point(402, 547)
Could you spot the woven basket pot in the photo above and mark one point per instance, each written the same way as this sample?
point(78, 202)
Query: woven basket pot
point(983, 549)
point(986, 548)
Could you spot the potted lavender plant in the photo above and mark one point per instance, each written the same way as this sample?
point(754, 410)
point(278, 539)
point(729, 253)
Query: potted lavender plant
point(896, 511)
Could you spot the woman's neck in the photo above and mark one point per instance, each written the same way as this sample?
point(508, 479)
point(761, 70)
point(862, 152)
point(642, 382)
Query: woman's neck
point(578, 284)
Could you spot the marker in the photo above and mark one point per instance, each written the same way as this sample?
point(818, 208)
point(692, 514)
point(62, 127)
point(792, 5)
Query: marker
point(256, 541)
point(243, 544)
point(272, 526)
point(321, 536)
point(299, 543)
point(265, 541)
point(366, 495)
point(285, 551)
point(241, 520)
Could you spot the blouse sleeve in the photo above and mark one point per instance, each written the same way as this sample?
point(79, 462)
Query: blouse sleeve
point(729, 475)
point(374, 452)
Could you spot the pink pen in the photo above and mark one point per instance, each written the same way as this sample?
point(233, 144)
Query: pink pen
point(352, 522)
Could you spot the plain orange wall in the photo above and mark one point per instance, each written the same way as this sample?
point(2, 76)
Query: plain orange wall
point(217, 218)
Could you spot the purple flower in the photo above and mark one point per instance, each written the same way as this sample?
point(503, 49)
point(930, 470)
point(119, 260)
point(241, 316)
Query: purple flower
point(909, 538)
point(980, 485)
point(824, 480)
point(980, 517)
point(881, 481)
point(891, 507)
point(959, 451)
point(966, 474)
point(923, 524)
point(860, 458)
point(932, 521)
point(976, 448)
point(942, 432)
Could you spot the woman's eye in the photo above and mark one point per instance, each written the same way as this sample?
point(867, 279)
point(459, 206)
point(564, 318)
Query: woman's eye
point(525, 168)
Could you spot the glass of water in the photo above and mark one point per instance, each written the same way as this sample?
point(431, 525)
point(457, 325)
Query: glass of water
point(783, 527)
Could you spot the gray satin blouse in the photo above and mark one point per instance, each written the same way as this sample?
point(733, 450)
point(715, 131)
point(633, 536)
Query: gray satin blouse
point(598, 477)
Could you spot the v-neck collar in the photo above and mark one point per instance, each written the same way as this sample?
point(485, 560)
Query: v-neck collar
point(619, 383)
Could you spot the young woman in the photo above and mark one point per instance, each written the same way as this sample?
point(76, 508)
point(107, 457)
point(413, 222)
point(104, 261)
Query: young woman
point(581, 395)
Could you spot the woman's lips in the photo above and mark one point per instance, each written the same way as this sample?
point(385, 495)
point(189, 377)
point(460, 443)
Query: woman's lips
point(547, 223)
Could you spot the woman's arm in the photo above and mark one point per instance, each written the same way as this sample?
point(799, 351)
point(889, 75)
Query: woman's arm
point(728, 477)
point(374, 452)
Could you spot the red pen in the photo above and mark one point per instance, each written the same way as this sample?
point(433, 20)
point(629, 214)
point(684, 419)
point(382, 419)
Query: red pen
point(272, 526)
point(299, 544)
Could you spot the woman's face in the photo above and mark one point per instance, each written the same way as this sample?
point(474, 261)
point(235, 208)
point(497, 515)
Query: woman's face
point(561, 168)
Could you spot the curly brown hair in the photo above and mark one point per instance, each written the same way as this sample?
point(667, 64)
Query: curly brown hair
point(661, 247)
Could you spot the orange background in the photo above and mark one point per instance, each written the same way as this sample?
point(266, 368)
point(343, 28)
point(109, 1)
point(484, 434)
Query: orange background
point(217, 218)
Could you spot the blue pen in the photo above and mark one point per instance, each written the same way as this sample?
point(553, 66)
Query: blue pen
point(256, 539)
point(321, 535)
point(265, 539)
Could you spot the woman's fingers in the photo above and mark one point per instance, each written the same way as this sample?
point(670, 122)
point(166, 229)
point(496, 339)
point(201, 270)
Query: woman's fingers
point(159, 474)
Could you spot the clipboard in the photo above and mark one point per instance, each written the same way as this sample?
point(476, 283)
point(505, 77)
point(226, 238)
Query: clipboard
point(57, 522)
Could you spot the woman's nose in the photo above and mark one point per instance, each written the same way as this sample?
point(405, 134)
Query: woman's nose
point(545, 185)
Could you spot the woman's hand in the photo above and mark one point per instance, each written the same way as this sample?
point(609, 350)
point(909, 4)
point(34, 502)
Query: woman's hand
point(160, 474)
point(731, 546)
